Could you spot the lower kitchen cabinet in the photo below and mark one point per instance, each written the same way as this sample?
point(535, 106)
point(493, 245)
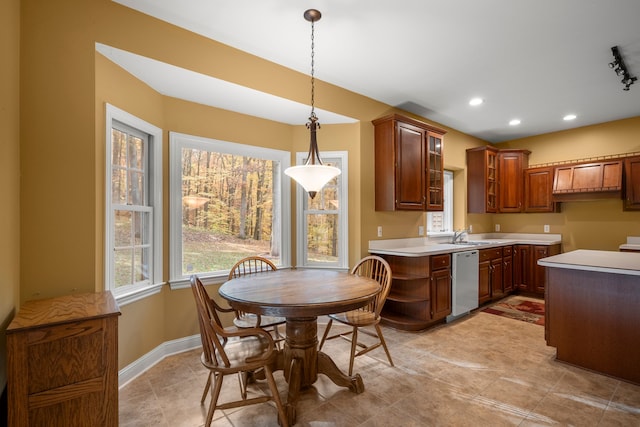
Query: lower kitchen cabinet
point(420, 292)
point(491, 273)
point(507, 269)
point(440, 286)
point(528, 276)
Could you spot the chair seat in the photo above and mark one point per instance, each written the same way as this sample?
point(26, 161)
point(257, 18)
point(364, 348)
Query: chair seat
point(239, 349)
point(356, 317)
point(250, 320)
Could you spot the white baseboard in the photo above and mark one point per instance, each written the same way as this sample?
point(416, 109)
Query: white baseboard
point(156, 355)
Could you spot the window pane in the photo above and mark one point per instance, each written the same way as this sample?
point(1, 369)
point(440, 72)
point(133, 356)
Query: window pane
point(136, 153)
point(123, 266)
point(122, 229)
point(227, 210)
point(136, 188)
point(141, 255)
point(322, 238)
point(119, 186)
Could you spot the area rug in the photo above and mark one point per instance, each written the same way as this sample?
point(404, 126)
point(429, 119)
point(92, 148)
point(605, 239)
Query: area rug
point(530, 310)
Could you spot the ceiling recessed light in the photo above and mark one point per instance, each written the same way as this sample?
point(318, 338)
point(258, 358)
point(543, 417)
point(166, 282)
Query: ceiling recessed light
point(514, 122)
point(569, 117)
point(476, 101)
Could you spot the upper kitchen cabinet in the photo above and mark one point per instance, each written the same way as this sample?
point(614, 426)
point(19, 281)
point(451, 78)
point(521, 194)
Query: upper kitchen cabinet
point(538, 187)
point(631, 183)
point(511, 164)
point(482, 180)
point(588, 181)
point(409, 164)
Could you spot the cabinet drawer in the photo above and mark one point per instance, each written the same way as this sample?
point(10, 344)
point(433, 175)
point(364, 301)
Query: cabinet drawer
point(507, 251)
point(489, 254)
point(440, 261)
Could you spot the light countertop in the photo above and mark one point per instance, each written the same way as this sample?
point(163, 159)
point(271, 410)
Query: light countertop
point(600, 261)
point(633, 244)
point(422, 246)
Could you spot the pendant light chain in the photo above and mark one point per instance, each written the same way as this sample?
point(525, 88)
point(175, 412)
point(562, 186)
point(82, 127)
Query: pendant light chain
point(313, 79)
point(313, 175)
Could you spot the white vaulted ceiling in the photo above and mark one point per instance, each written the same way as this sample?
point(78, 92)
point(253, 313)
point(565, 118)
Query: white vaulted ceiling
point(535, 60)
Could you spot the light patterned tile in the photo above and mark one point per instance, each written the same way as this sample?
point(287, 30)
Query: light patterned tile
point(479, 370)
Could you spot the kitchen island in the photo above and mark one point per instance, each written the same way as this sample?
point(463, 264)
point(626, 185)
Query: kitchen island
point(593, 310)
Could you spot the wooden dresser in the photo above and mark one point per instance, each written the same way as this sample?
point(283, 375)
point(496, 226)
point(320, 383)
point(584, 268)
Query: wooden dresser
point(62, 362)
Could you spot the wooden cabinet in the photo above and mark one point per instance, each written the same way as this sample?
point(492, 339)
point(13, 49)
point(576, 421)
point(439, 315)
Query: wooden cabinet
point(435, 172)
point(490, 269)
point(420, 292)
point(528, 276)
point(440, 286)
point(539, 279)
point(482, 180)
point(631, 183)
point(62, 362)
point(511, 164)
point(588, 181)
point(507, 269)
point(409, 164)
point(522, 267)
point(538, 188)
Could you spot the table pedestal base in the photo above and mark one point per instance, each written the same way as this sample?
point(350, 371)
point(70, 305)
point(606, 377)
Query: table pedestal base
point(301, 362)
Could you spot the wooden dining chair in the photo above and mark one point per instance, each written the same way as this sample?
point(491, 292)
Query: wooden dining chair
point(228, 352)
point(255, 265)
point(368, 316)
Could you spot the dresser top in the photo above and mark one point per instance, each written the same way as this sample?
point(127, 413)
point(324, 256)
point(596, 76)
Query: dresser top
point(64, 309)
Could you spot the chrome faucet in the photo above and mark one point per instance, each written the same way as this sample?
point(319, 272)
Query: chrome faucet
point(457, 235)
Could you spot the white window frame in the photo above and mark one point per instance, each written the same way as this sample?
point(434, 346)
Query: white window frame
point(178, 141)
point(128, 294)
point(447, 220)
point(343, 214)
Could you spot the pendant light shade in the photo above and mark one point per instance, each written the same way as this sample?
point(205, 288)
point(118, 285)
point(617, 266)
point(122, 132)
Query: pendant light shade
point(313, 175)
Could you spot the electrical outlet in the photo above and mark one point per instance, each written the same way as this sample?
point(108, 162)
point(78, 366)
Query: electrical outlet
point(497, 227)
point(421, 230)
point(379, 231)
point(470, 228)
point(546, 228)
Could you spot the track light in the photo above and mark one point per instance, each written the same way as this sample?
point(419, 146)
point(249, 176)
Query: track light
point(621, 69)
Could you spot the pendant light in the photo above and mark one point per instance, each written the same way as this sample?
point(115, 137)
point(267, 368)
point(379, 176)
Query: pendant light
point(313, 175)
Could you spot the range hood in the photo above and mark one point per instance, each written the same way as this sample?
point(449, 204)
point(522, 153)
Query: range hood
point(587, 181)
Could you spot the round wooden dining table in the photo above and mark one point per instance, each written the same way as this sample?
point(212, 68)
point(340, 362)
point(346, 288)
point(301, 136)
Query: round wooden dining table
point(301, 296)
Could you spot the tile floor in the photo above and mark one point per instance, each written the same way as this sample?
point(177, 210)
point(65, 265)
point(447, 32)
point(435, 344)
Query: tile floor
point(482, 370)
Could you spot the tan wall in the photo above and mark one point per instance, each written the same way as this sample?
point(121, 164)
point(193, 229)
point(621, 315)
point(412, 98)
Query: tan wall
point(600, 224)
point(9, 170)
point(64, 87)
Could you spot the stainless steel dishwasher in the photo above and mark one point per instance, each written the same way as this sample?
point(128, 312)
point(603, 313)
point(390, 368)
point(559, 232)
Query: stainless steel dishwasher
point(464, 283)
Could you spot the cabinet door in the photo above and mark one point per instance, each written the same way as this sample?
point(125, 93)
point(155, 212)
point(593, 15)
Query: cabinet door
point(440, 294)
point(497, 290)
point(631, 183)
point(484, 282)
point(511, 166)
point(507, 274)
point(482, 180)
point(435, 172)
point(522, 267)
point(410, 183)
point(539, 278)
point(538, 189)
point(538, 284)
